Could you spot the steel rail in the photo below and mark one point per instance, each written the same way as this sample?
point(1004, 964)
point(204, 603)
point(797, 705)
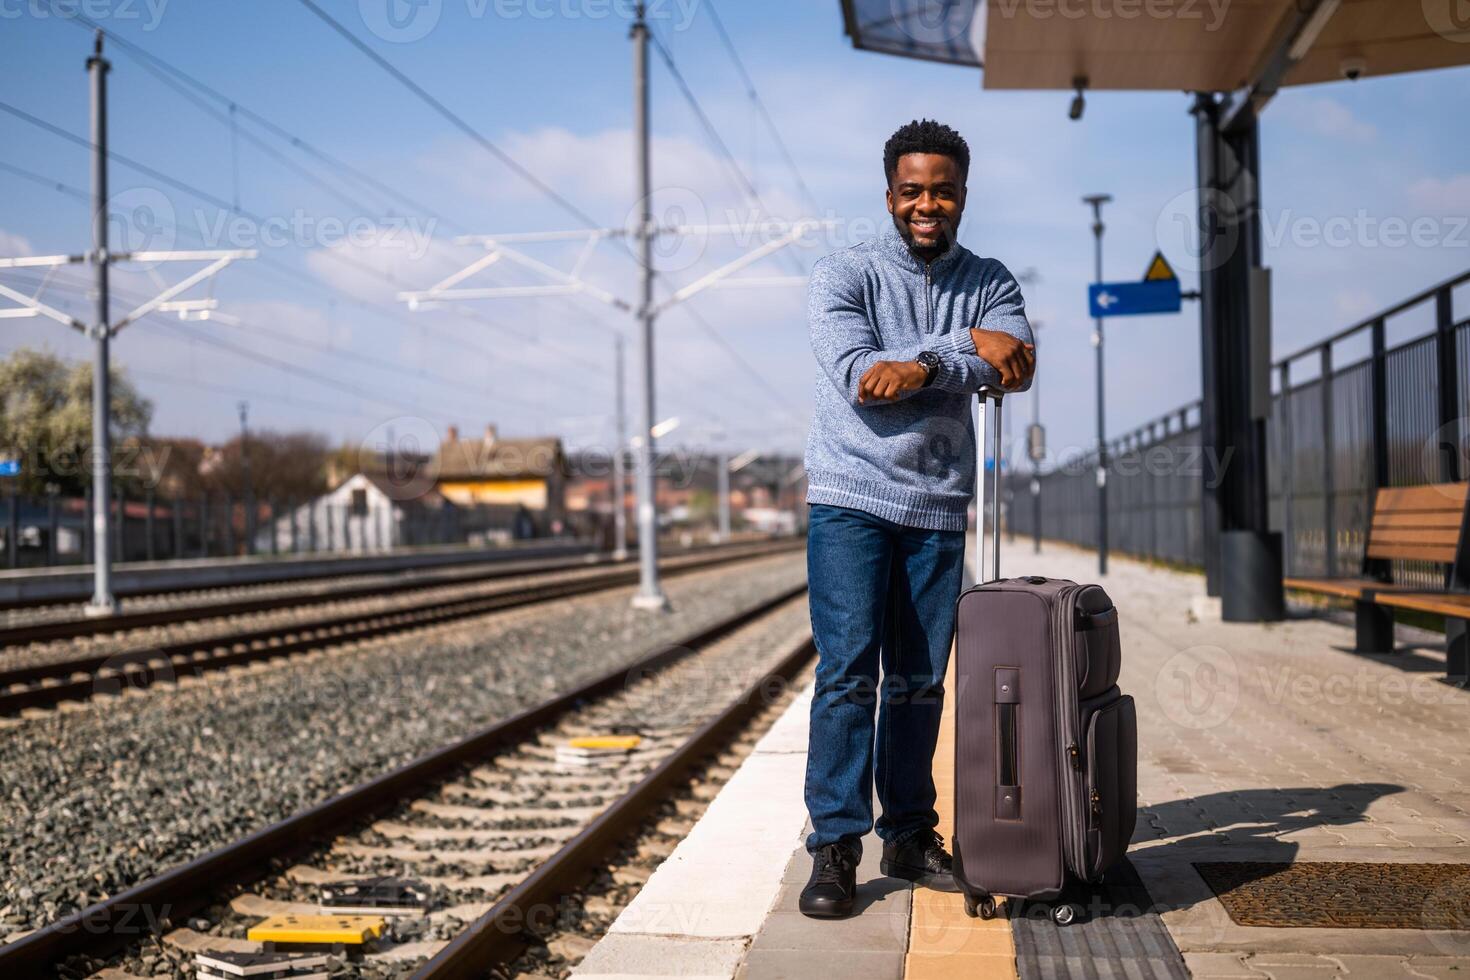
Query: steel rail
point(67, 629)
point(82, 677)
point(497, 937)
point(425, 578)
point(285, 569)
point(103, 928)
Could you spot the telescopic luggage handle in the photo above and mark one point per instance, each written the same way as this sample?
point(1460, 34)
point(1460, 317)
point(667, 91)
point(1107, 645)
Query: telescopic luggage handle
point(987, 394)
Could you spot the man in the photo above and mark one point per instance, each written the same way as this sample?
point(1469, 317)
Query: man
point(905, 330)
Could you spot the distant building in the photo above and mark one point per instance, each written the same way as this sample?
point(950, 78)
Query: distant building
point(361, 514)
point(495, 472)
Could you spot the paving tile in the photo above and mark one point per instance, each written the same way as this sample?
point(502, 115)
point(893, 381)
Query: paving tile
point(658, 956)
point(862, 933)
point(1219, 966)
point(878, 896)
point(919, 966)
point(807, 964)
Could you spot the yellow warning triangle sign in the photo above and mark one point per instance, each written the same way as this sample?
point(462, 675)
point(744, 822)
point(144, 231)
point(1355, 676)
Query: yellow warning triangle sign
point(1159, 268)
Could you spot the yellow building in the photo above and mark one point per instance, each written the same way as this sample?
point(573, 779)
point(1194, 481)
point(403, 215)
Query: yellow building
point(529, 473)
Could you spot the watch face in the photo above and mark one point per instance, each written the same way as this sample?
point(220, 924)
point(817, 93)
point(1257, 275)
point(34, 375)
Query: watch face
point(931, 362)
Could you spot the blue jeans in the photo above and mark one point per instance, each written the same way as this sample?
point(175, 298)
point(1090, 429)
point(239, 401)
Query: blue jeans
point(881, 594)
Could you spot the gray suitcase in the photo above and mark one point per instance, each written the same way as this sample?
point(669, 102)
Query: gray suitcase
point(1046, 746)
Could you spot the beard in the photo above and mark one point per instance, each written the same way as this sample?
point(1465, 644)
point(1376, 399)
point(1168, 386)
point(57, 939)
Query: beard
point(945, 236)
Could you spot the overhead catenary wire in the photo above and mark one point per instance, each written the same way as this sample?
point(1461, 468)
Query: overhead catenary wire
point(160, 66)
point(454, 118)
point(333, 254)
point(760, 104)
point(712, 133)
point(157, 66)
point(158, 318)
point(279, 268)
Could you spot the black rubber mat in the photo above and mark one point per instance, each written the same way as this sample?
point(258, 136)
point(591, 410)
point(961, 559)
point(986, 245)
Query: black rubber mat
point(1342, 895)
point(1116, 934)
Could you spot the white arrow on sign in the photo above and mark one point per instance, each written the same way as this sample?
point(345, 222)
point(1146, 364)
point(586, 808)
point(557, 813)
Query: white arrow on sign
point(1106, 299)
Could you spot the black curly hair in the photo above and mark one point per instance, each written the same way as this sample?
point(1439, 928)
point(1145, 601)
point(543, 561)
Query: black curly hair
point(925, 136)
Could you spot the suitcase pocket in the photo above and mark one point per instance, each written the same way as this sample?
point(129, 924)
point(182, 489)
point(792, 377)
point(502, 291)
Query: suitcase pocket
point(1112, 783)
point(1099, 652)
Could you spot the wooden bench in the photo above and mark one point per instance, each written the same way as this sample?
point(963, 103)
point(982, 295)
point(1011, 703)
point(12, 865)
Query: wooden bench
point(1423, 523)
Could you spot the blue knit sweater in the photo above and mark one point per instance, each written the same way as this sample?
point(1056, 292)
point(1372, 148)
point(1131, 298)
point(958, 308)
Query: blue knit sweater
point(912, 460)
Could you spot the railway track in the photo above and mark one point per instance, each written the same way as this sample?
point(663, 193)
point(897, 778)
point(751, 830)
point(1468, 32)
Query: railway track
point(304, 594)
point(45, 684)
point(491, 824)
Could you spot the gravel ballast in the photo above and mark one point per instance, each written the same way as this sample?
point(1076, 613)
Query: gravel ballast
point(99, 797)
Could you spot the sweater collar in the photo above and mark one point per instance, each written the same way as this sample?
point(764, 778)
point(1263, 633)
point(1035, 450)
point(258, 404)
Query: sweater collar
point(892, 244)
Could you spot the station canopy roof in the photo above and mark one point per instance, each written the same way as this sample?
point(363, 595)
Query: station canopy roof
point(1195, 45)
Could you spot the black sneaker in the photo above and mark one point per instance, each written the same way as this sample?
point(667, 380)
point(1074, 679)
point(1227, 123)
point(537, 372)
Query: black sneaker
point(829, 892)
point(920, 857)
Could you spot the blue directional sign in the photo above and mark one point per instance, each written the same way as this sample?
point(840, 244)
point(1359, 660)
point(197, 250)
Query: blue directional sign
point(1133, 298)
point(9, 467)
point(1157, 293)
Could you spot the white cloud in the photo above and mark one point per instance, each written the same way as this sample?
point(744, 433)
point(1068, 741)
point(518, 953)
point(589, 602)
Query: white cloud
point(14, 246)
point(1353, 304)
point(1435, 196)
point(1331, 118)
point(595, 172)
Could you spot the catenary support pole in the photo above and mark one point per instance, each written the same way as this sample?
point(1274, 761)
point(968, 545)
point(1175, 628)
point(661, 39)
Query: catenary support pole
point(620, 478)
point(722, 460)
point(650, 594)
point(103, 603)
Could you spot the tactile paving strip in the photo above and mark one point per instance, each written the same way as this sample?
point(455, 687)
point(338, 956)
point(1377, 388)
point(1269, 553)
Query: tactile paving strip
point(1117, 933)
point(1341, 894)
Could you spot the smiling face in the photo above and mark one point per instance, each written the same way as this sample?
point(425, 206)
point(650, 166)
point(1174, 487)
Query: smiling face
point(926, 197)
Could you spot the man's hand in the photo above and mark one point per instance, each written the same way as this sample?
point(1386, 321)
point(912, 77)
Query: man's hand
point(1016, 361)
point(886, 380)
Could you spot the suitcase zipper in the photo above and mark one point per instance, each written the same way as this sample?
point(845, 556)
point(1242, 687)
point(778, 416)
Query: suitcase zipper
point(1074, 846)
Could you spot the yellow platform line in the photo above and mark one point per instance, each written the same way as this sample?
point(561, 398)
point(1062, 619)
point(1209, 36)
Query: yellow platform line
point(943, 941)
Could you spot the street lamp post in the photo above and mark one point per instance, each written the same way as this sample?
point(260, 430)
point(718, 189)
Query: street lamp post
point(1096, 201)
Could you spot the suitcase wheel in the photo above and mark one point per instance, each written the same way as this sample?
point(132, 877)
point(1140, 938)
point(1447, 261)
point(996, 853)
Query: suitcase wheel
point(1063, 915)
point(983, 906)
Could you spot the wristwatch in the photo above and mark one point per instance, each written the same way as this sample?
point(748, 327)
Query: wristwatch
point(931, 362)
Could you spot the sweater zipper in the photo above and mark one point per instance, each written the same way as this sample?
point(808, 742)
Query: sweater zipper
point(928, 313)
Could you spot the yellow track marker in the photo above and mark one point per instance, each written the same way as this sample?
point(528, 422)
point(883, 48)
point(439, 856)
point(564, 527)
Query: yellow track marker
point(624, 742)
point(348, 929)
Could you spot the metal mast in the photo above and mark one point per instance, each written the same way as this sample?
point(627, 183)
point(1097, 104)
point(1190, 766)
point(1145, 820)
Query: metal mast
point(650, 594)
point(103, 603)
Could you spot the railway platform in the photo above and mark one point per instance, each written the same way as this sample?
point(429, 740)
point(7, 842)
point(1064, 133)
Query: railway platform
point(1302, 814)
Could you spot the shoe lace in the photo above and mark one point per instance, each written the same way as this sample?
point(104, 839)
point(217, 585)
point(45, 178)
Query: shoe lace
point(832, 861)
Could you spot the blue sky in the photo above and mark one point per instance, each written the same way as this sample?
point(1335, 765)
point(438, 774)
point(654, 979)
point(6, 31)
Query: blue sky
point(554, 92)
